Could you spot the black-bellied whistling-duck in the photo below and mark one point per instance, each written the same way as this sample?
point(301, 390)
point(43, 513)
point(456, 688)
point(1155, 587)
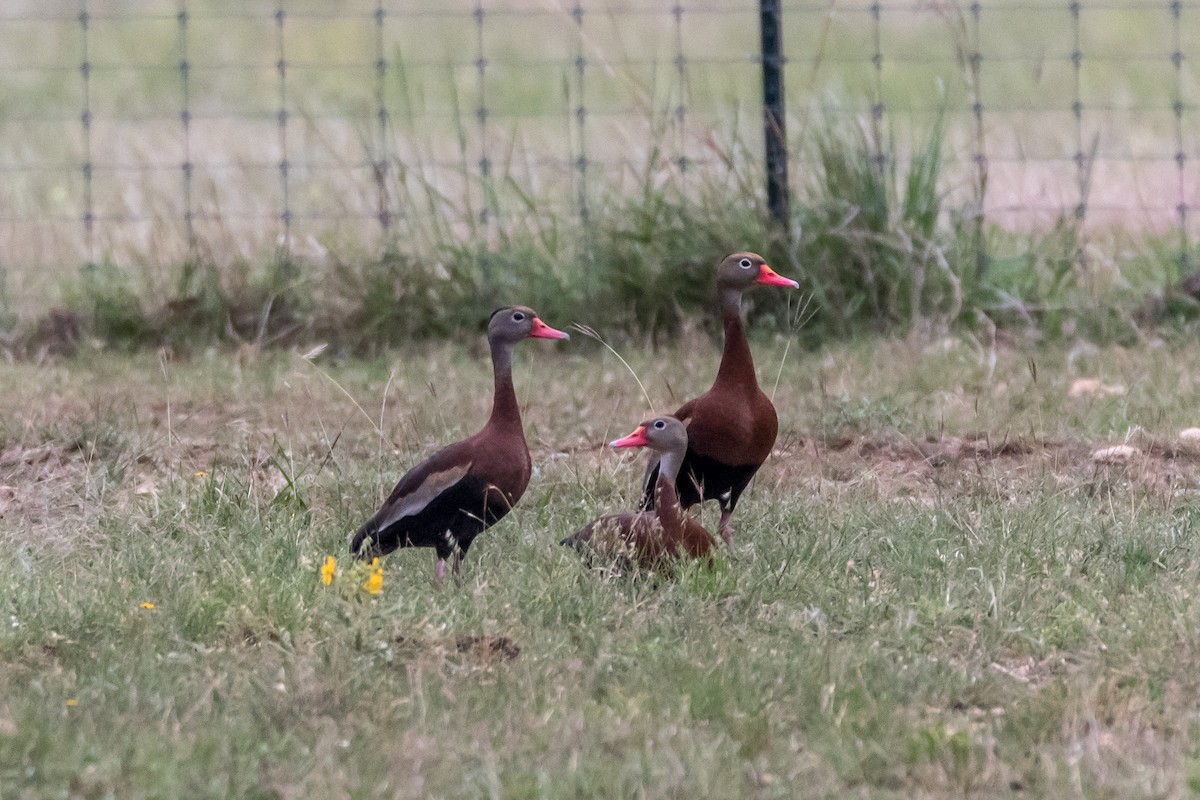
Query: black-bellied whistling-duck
point(454, 495)
point(731, 427)
point(650, 538)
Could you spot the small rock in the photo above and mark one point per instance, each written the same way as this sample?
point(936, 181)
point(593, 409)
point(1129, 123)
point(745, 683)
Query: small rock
point(1116, 453)
point(1190, 435)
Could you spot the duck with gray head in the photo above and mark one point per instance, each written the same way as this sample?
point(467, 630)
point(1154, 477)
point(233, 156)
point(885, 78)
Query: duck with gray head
point(651, 538)
point(732, 427)
point(461, 490)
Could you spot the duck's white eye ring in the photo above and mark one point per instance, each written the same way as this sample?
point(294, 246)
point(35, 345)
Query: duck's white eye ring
point(744, 263)
point(660, 424)
point(518, 317)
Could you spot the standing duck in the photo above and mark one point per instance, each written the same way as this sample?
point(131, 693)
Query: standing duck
point(650, 538)
point(731, 427)
point(454, 495)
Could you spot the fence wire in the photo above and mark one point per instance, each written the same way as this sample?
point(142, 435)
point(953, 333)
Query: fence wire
point(151, 132)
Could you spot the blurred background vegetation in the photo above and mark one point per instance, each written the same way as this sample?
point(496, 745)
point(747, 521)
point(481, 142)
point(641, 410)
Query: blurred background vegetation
point(186, 172)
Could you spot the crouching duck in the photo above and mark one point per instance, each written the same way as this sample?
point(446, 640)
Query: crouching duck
point(651, 538)
point(731, 428)
point(461, 490)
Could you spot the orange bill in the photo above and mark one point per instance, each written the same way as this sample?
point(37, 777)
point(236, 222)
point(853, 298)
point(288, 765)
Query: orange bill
point(635, 439)
point(541, 330)
point(772, 278)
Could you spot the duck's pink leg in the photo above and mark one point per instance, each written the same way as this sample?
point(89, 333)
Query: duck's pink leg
point(724, 528)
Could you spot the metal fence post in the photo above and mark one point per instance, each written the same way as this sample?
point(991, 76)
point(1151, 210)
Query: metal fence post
point(773, 123)
point(85, 119)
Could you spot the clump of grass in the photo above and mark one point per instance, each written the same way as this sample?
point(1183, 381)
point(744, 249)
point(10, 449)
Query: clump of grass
point(1037, 282)
point(640, 268)
point(521, 270)
point(654, 258)
point(874, 250)
point(205, 304)
point(111, 304)
point(1172, 270)
point(403, 296)
point(382, 301)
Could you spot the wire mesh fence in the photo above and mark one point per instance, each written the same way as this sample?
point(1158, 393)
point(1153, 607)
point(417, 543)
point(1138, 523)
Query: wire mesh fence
point(157, 131)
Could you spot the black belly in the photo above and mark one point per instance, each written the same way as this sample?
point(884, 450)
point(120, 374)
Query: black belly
point(704, 478)
point(450, 522)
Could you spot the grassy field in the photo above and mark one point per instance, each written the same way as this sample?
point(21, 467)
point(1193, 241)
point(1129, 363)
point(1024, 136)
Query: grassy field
point(936, 590)
point(942, 585)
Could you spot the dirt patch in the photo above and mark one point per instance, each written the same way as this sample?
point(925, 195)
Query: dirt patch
point(894, 465)
point(487, 648)
point(39, 482)
point(29, 464)
point(946, 448)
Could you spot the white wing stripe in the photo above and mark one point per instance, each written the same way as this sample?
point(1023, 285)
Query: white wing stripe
point(415, 502)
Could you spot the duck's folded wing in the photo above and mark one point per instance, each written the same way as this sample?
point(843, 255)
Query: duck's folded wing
point(410, 497)
point(441, 473)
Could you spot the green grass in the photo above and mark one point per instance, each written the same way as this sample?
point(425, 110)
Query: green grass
point(936, 590)
point(911, 610)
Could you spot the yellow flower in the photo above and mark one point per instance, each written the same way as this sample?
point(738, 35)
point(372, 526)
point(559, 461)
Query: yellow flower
point(71, 701)
point(374, 583)
point(327, 570)
point(147, 606)
point(201, 474)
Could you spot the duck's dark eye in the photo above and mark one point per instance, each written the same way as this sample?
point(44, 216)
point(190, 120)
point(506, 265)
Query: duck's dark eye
point(518, 317)
point(660, 424)
point(744, 263)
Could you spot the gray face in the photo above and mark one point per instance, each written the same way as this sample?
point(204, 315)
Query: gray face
point(665, 434)
point(511, 324)
point(740, 270)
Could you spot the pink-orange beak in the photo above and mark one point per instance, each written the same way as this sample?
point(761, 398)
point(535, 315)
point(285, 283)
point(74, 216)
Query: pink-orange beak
point(772, 278)
point(635, 439)
point(541, 330)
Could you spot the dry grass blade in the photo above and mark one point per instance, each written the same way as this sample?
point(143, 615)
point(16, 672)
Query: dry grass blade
point(591, 333)
point(804, 312)
point(341, 388)
point(382, 412)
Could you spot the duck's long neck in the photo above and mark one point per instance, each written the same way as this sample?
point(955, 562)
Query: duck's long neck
point(666, 500)
point(505, 411)
point(737, 365)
